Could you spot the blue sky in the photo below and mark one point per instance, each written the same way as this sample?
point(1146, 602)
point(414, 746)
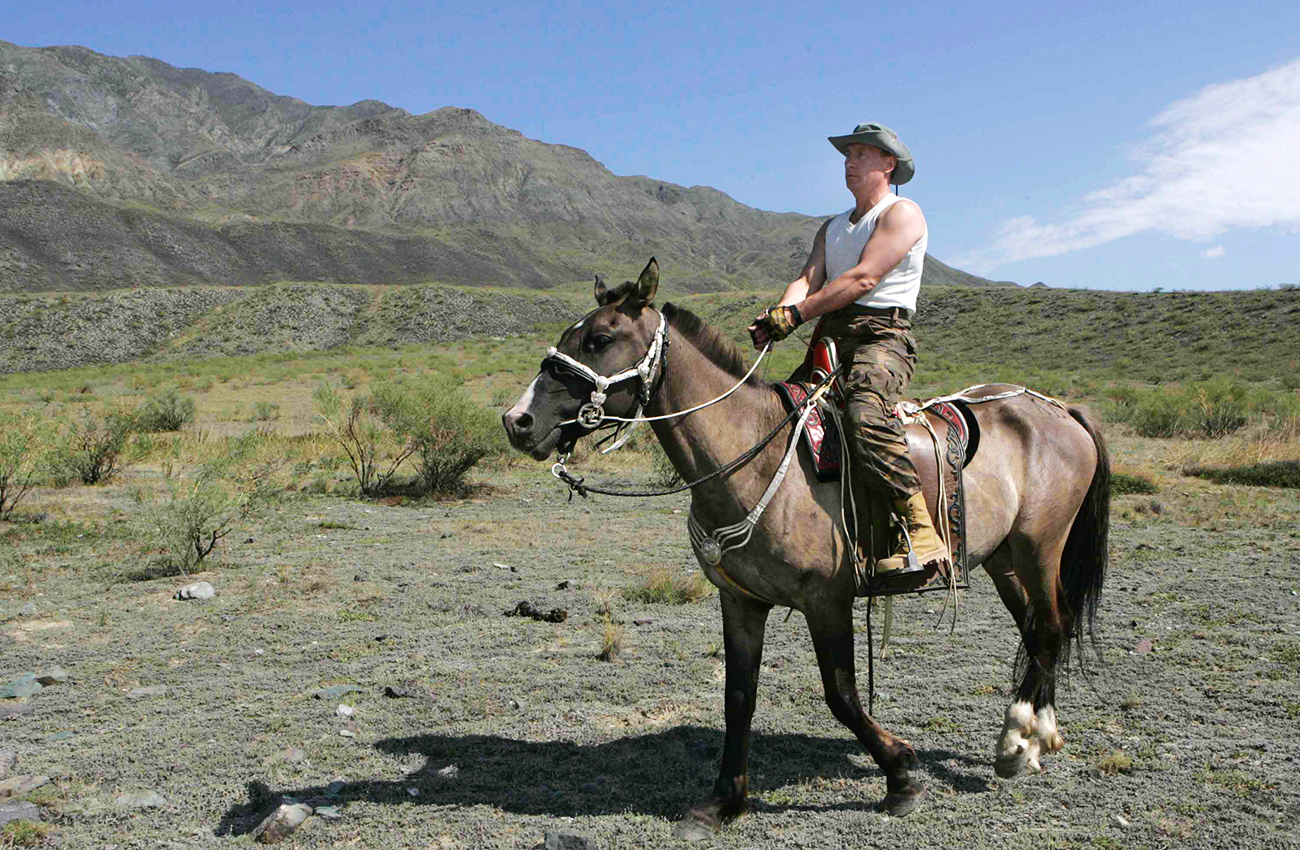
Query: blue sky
point(1118, 146)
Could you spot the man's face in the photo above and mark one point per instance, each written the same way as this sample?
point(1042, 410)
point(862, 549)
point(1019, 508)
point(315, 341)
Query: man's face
point(860, 161)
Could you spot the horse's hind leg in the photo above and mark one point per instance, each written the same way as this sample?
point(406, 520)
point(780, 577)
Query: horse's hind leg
point(743, 625)
point(1029, 726)
point(832, 634)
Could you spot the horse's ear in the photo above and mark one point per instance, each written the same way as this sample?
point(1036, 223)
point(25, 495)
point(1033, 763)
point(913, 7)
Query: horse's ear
point(601, 291)
point(647, 284)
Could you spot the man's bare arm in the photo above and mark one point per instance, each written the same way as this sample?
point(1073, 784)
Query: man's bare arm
point(813, 276)
point(895, 234)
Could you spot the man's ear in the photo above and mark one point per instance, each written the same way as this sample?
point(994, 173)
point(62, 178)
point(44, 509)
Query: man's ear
point(646, 285)
point(602, 292)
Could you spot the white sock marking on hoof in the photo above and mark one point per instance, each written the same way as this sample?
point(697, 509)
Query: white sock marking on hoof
point(1048, 734)
point(1018, 727)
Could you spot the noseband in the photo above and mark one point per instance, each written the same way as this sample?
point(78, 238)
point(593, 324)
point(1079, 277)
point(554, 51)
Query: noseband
point(650, 370)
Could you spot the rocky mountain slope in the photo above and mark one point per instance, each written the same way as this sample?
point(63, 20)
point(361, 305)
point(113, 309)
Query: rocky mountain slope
point(130, 172)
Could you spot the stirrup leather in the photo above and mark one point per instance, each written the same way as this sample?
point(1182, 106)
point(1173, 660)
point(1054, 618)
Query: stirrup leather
point(825, 360)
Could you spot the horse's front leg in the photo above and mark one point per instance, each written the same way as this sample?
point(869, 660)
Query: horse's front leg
point(743, 624)
point(832, 634)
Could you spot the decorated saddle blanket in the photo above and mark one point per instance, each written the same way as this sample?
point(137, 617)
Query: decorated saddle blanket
point(821, 434)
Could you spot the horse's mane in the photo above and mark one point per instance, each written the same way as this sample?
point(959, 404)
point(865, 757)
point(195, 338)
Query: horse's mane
point(710, 342)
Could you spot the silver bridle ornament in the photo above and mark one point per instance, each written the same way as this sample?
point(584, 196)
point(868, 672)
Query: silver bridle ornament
point(592, 414)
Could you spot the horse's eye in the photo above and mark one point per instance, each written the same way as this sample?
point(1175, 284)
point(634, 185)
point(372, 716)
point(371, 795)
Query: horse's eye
point(599, 342)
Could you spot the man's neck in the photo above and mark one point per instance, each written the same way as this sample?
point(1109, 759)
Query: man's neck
point(868, 199)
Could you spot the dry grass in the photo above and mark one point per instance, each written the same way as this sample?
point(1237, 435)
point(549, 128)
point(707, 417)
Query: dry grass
point(667, 587)
point(611, 640)
point(1116, 762)
point(1257, 444)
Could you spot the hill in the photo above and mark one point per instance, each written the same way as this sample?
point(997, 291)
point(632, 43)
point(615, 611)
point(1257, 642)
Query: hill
point(966, 334)
point(130, 172)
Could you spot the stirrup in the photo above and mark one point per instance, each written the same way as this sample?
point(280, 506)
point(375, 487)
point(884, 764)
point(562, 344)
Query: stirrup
point(910, 564)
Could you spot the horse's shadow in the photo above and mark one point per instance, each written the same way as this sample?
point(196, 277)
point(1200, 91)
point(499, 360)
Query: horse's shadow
point(659, 774)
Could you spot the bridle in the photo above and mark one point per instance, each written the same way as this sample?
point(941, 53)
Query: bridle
point(649, 370)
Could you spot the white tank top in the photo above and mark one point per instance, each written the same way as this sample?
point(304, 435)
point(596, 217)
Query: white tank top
point(844, 244)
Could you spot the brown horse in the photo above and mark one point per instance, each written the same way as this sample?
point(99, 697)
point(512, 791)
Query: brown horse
point(1037, 496)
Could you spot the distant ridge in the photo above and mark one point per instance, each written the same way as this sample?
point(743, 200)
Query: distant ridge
point(131, 172)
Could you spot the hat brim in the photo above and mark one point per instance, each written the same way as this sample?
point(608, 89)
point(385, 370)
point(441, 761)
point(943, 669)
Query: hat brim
point(905, 169)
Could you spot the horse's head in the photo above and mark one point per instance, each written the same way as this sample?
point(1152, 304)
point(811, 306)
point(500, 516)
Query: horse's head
point(602, 366)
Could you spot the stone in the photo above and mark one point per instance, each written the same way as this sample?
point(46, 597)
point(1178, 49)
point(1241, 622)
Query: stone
point(24, 686)
point(10, 711)
point(395, 692)
point(451, 771)
point(8, 761)
point(280, 823)
point(345, 710)
point(19, 810)
point(197, 590)
point(568, 839)
point(333, 692)
point(567, 584)
point(293, 755)
point(140, 800)
point(145, 693)
point(347, 733)
point(1144, 645)
point(16, 786)
point(55, 675)
point(331, 812)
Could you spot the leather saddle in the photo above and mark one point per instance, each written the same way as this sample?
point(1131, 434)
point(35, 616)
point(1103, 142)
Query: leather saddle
point(941, 439)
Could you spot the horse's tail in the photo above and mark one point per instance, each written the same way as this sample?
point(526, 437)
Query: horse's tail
point(1083, 563)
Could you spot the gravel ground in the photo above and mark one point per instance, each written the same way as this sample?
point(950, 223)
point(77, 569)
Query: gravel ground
point(514, 728)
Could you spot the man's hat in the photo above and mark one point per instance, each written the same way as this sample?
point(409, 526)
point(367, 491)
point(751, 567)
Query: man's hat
point(879, 136)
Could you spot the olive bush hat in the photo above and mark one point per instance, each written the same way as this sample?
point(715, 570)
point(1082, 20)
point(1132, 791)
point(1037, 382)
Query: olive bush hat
point(880, 136)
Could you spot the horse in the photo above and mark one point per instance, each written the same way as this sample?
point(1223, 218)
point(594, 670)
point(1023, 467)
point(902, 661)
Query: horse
point(1037, 500)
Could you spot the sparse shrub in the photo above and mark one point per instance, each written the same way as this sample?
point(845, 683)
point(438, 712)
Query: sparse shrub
point(358, 428)
point(1212, 408)
point(1282, 473)
point(267, 410)
point(662, 472)
point(196, 514)
point(1125, 484)
point(446, 432)
point(167, 412)
point(19, 460)
point(94, 447)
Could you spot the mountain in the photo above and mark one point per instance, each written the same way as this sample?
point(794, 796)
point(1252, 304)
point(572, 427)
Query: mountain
point(130, 172)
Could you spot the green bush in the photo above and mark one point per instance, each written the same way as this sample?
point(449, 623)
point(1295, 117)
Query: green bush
point(1210, 409)
point(1123, 484)
point(196, 514)
point(167, 412)
point(446, 432)
point(662, 471)
point(93, 449)
point(1282, 473)
point(359, 429)
point(19, 460)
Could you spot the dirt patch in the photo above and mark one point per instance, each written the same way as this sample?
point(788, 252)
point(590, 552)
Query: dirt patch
point(1184, 735)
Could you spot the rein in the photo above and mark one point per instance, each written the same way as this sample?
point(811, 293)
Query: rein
point(577, 485)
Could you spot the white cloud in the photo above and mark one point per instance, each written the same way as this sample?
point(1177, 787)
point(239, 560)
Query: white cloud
point(1226, 157)
point(1213, 253)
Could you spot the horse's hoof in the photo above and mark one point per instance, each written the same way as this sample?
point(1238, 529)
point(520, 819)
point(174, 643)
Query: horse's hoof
point(899, 803)
point(1009, 767)
point(692, 828)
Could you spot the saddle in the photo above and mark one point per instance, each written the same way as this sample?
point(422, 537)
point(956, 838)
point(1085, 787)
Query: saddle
point(942, 437)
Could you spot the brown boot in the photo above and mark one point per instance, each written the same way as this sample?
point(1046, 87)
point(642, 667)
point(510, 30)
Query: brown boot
point(925, 540)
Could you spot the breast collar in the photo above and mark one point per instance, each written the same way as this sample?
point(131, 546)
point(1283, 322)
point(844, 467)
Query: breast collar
point(650, 369)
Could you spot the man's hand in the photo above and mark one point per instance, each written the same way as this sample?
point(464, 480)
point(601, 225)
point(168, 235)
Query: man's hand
point(774, 324)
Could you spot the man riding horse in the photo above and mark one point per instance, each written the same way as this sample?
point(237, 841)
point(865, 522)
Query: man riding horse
point(862, 277)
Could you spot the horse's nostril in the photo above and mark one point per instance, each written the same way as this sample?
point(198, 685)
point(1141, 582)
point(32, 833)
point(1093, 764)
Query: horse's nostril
point(519, 423)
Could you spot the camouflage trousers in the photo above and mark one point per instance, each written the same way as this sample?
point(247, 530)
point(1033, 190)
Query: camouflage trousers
point(880, 352)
